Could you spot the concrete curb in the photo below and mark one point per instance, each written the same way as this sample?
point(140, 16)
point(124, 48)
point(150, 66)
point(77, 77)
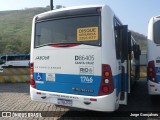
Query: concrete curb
point(14, 75)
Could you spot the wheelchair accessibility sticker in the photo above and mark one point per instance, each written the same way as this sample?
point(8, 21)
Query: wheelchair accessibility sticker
point(39, 77)
point(158, 71)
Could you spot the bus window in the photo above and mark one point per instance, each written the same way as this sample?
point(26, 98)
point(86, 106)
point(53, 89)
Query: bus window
point(10, 58)
point(65, 31)
point(156, 29)
point(27, 57)
point(2, 60)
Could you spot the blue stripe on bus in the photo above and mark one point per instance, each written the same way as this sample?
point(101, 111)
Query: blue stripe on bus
point(117, 83)
point(70, 84)
point(158, 74)
point(158, 78)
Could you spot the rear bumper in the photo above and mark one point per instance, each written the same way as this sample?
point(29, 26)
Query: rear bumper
point(153, 88)
point(105, 103)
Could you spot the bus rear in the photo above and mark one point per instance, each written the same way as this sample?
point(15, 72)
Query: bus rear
point(66, 60)
point(153, 54)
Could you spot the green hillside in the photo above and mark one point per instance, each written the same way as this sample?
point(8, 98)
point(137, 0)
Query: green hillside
point(141, 40)
point(15, 30)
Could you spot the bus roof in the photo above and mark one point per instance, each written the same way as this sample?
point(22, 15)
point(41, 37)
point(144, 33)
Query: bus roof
point(72, 8)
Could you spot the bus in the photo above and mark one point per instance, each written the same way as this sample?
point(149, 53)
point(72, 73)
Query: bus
point(15, 60)
point(81, 58)
point(153, 56)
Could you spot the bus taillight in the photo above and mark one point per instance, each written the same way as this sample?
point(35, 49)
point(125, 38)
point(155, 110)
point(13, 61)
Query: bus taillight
point(107, 81)
point(151, 71)
point(32, 82)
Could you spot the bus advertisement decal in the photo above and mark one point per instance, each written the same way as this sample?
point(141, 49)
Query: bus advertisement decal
point(87, 34)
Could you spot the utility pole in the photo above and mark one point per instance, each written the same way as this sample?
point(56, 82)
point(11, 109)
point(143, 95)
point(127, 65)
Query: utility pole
point(51, 4)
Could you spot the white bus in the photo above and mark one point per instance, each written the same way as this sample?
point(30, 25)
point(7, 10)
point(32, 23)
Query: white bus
point(80, 57)
point(153, 56)
point(15, 60)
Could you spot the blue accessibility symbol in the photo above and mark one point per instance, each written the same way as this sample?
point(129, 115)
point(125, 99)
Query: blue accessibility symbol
point(158, 70)
point(39, 76)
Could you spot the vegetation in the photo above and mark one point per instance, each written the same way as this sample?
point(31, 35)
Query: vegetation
point(141, 40)
point(15, 30)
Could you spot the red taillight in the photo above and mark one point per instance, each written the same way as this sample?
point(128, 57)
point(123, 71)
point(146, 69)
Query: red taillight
point(107, 81)
point(32, 82)
point(151, 71)
point(105, 89)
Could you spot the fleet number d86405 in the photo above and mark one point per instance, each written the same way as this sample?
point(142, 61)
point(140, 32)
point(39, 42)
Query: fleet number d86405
point(84, 57)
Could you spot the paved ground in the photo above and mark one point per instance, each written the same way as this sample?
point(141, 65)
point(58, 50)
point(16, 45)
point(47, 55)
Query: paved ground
point(15, 97)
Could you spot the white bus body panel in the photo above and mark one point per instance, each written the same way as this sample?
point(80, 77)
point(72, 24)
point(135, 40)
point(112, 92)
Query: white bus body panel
point(153, 54)
point(103, 103)
point(153, 90)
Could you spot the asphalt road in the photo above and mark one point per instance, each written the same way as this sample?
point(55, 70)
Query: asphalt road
point(15, 97)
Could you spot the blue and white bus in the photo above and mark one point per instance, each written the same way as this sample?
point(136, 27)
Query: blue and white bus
point(81, 57)
point(15, 60)
point(153, 56)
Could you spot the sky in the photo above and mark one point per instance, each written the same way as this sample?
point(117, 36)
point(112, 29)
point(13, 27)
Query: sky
point(134, 13)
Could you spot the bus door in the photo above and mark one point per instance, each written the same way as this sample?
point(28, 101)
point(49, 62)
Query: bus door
point(122, 34)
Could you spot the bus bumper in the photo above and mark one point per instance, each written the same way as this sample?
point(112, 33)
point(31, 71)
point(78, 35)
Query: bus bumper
point(105, 103)
point(153, 88)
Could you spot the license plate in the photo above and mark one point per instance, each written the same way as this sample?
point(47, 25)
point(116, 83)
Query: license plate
point(64, 102)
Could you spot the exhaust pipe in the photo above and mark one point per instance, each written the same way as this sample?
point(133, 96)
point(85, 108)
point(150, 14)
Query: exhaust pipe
point(51, 4)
